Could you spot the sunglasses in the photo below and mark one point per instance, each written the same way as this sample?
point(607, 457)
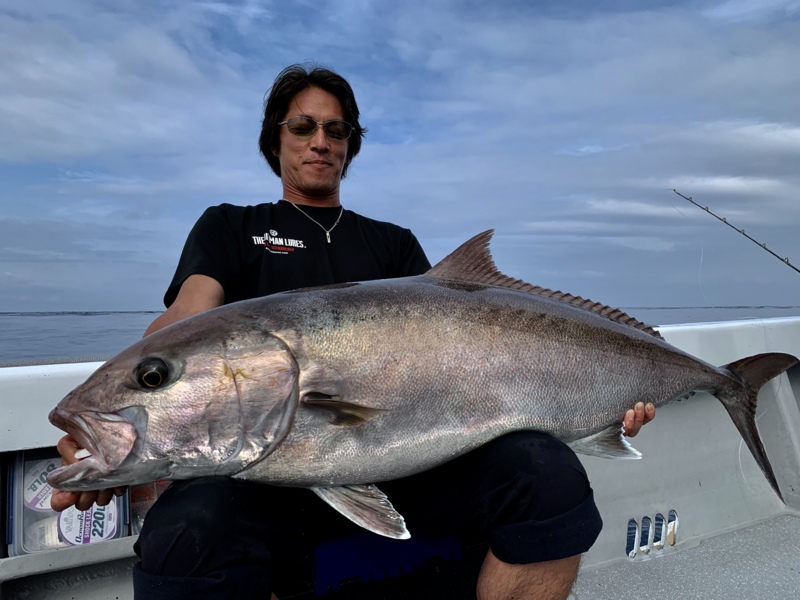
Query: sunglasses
point(306, 127)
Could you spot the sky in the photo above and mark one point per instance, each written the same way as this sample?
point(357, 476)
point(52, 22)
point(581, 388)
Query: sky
point(563, 125)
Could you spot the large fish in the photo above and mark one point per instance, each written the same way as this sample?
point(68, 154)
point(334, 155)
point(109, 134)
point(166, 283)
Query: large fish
point(337, 387)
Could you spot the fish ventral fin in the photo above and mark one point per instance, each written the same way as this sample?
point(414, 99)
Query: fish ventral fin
point(609, 443)
point(472, 261)
point(367, 506)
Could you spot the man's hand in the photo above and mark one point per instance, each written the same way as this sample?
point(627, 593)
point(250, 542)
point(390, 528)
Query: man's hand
point(60, 500)
point(637, 416)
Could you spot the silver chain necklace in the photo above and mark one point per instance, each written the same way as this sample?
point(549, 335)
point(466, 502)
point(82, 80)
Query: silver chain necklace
point(327, 231)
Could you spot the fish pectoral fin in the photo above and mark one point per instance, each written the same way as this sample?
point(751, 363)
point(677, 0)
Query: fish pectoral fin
point(343, 413)
point(609, 443)
point(367, 506)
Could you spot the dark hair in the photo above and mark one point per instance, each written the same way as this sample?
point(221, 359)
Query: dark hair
point(290, 82)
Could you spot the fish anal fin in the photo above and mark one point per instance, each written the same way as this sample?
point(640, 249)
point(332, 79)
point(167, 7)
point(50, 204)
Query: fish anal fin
point(472, 261)
point(366, 506)
point(342, 413)
point(608, 443)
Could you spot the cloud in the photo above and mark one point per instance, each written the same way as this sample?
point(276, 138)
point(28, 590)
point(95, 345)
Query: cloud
point(747, 10)
point(629, 208)
point(642, 243)
point(730, 184)
point(69, 265)
point(123, 87)
point(775, 138)
point(590, 149)
point(243, 14)
point(563, 126)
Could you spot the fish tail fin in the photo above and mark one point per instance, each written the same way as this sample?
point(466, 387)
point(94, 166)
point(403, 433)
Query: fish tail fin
point(753, 372)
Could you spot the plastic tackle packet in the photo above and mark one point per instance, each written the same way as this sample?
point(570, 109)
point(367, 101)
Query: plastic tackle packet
point(34, 527)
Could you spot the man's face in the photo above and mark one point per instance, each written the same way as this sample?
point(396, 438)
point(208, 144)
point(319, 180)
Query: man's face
point(312, 167)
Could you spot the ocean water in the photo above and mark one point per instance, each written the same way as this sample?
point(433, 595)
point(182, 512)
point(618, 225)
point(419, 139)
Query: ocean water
point(35, 337)
point(39, 337)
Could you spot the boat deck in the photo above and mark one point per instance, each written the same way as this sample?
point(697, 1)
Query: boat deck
point(760, 562)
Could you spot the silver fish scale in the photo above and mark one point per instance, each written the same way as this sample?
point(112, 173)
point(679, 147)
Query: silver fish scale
point(453, 366)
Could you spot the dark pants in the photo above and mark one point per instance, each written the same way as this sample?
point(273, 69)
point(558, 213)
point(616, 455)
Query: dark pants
point(526, 495)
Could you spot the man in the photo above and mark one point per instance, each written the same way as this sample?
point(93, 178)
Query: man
point(525, 494)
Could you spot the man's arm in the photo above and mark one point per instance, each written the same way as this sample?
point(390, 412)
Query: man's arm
point(198, 293)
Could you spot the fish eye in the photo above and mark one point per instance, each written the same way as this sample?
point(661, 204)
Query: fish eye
point(152, 373)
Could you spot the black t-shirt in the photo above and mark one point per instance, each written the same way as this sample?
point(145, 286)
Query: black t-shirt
point(258, 250)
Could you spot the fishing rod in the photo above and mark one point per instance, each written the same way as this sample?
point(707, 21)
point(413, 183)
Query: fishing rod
point(724, 220)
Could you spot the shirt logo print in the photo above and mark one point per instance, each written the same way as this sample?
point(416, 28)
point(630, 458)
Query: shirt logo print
point(276, 244)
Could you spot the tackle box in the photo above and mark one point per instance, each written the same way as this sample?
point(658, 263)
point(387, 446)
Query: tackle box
point(32, 526)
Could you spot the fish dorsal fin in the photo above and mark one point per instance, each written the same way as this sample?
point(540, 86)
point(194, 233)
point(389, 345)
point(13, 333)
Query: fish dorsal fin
point(472, 261)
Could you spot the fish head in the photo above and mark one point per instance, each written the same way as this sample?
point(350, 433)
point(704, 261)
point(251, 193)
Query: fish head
point(196, 398)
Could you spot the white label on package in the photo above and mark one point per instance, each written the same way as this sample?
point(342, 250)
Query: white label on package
point(37, 491)
point(42, 535)
point(86, 527)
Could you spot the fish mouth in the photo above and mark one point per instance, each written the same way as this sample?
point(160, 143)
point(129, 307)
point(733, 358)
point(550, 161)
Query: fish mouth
point(114, 442)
